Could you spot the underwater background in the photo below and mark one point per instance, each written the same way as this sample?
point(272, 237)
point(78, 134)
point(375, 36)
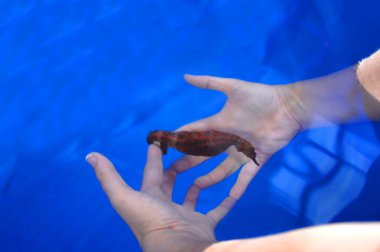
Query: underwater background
point(81, 76)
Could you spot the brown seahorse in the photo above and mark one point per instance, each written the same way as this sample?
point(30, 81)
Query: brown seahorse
point(201, 143)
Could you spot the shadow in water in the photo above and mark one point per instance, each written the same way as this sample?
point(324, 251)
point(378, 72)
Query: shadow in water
point(320, 177)
point(317, 179)
point(365, 207)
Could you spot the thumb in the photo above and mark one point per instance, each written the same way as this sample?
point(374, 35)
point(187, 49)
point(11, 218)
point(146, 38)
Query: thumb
point(208, 123)
point(113, 185)
point(225, 85)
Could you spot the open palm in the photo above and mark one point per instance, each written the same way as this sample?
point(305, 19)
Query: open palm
point(154, 218)
point(262, 114)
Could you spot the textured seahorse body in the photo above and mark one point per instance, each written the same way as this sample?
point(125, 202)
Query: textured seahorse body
point(201, 143)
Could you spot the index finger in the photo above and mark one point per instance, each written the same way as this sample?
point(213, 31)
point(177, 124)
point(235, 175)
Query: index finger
point(153, 172)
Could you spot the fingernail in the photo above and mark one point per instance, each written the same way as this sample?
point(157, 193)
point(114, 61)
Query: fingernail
point(91, 159)
point(189, 75)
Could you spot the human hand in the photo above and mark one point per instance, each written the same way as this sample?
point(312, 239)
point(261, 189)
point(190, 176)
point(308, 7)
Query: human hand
point(348, 237)
point(264, 115)
point(158, 223)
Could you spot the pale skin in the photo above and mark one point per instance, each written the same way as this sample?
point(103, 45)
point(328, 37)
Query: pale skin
point(151, 213)
point(269, 117)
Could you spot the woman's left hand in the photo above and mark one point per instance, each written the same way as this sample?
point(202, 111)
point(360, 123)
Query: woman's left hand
point(158, 223)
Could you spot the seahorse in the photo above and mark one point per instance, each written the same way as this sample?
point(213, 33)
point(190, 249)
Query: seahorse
point(201, 143)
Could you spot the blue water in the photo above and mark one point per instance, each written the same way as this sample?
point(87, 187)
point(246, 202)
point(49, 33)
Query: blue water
point(81, 76)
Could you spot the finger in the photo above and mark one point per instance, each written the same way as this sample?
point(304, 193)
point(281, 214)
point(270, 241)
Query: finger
point(191, 198)
point(113, 185)
point(245, 176)
point(203, 124)
point(225, 85)
point(180, 165)
point(218, 213)
point(153, 171)
point(222, 171)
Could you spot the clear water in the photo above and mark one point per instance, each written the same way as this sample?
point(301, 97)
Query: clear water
point(79, 76)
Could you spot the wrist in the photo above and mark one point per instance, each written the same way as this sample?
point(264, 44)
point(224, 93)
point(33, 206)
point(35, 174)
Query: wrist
point(333, 99)
point(291, 96)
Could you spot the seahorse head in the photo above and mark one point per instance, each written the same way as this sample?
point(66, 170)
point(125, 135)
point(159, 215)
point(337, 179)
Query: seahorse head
point(156, 135)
